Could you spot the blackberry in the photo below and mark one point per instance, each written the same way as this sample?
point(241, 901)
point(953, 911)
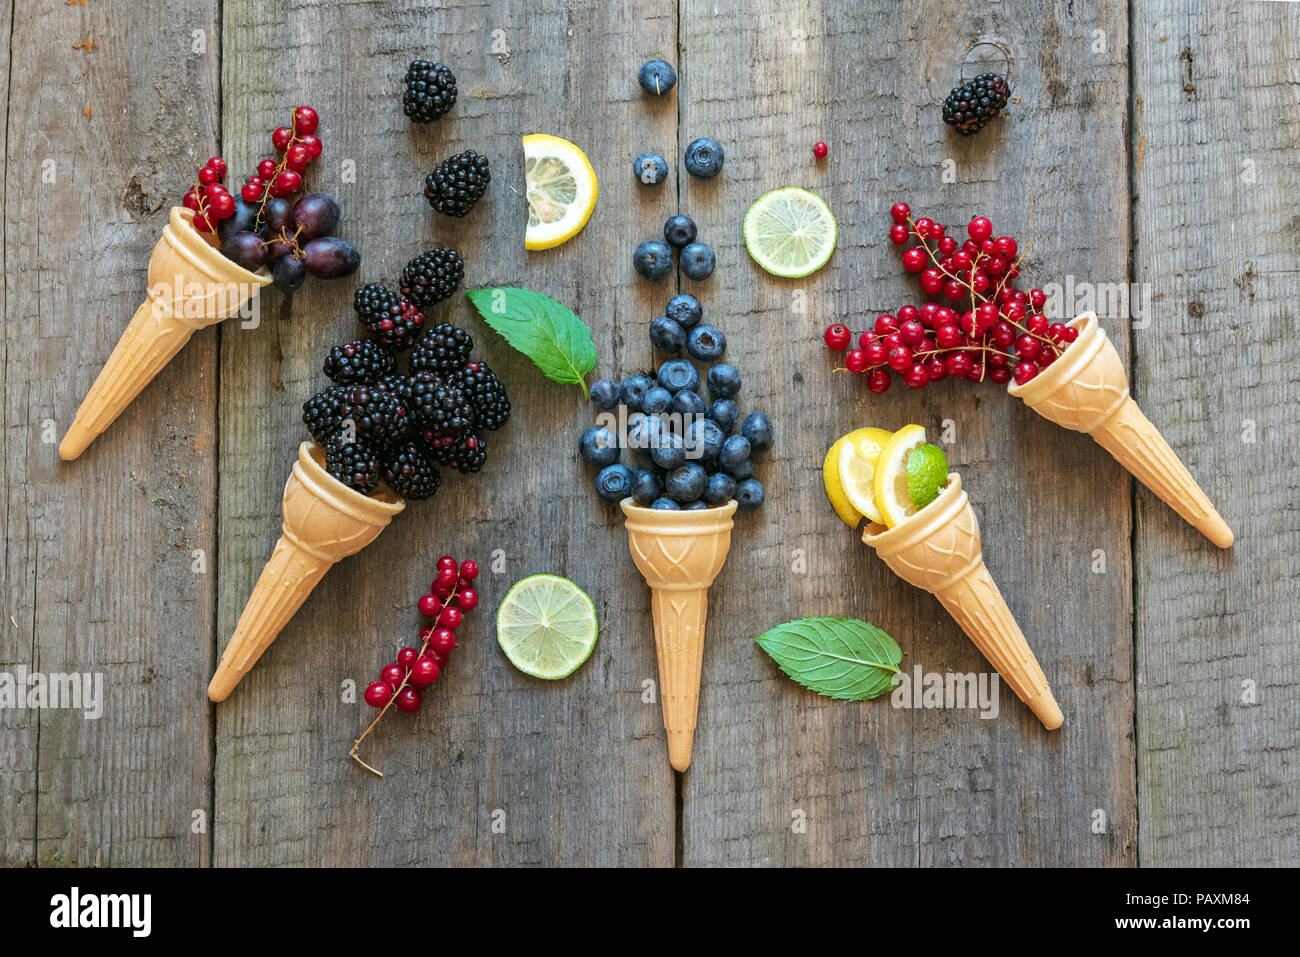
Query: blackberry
point(381, 418)
point(458, 183)
point(398, 385)
point(432, 276)
point(465, 455)
point(324, 412)
point(392, 320)
point(359, 362)
point(975, 102)
point(430, 91)
point(486, 394)
point(411, 474)
point(352, 463)
point(444, 349)
point(440, 408)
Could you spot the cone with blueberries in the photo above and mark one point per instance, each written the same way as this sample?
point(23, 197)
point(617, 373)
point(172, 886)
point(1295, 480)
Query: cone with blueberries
point(689, 472)
point(379, 435)
point(216, 254)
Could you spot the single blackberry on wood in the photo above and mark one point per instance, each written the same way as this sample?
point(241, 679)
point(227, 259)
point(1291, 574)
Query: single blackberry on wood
point(432, 276)
point(440, 408)
point(324, 412)
point(444, 349)
point(380, 418)
point(430, 91)
point(411, 474)
point(359, 362)
point(352, 463)
point(458, 183)
point(486, 394)
point(466, 454)
point(392, 320)
point(972, 104)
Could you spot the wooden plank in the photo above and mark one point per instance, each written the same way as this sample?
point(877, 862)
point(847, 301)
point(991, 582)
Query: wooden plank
point(578, 767)
point(874, 784)
point(98, 552)
point(1216, 371)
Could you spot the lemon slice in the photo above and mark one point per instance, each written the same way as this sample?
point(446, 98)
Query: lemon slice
point(856, 467)
point(546, 625)
point(562, 190)
point(790, 232)
point(890, 480)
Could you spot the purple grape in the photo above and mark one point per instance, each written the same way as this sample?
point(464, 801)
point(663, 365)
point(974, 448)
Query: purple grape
point(288, 274)
point(245, 249)
point(316, 214)
point(277, 214)
point(330, 257)
point(244, 220)
point(279, 244)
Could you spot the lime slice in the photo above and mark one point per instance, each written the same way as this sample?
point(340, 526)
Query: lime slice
point(546, 625)
point(856, 469)
point(890, 480)
point(562, 190)
point(927, 474)
point(790, 232)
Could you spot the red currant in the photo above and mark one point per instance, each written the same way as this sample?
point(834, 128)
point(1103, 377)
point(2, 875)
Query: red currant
point(980, 281)
point(1037, 298)
point(424, 672)
point(406, 657)
point(912, 333)
point(409, 700)
point(1071, 333)
point(947, 246)
point(447, 577)
point(446, 561)
point(959, 364)
point(1025, 370)
point(885, 325)
point(223, 205)
point(429, 605)
point(266, 169)
point(1006, 247)
point(923, 226)
point(953, 291)
point(899, 212)
point(190, 201)
point(297, 158)
point(252, 191)
point(378, 694)
point(450, 617)
point(936, 368)
point(908, 312)
point(218, 164)
point(900, 357)
point(442, 640)
point(1001, 375)
point(469, 569)
point(313, 144)
point(914, 259)
point(468, 599)
point(820, 150)
point(855, 361)
point(305, 120)
point(1037, 324)
point(916, 377)
point(878, 380)
point(930, 280)
point(1046, 357)
point(201, 223)
point(980, 228)
point(947, 335)
point(281, 138)
point(287, 183)
point(837, 337)
point(876, 352)
point(208, 176)
point(898, 234)
point(392, 675)
point(891, 340)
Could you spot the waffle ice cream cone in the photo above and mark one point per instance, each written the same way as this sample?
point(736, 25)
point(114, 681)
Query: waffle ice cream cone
point(191, 285)
point(679, 554)
point(938, 549)
point(1086, 390)
point(324, 522)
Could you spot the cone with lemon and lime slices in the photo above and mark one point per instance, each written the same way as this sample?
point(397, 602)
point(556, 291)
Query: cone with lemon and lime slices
point(922, 525)
point(1086, 390)
point(679, 553)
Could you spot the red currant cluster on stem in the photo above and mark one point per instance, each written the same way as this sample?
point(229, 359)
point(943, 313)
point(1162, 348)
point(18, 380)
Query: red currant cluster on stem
point(298, 146)
point(999, 334)
point(402, 682)
point(209, 199)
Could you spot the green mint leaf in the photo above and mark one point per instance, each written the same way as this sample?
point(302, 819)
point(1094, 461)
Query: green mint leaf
point(838, 657)
point(548, 332)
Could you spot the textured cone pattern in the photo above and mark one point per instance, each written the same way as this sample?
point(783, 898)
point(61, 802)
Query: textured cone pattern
point(324, 522)
point(1086, 390)
point(938, 549)
point(191, 285)
point(679, 554)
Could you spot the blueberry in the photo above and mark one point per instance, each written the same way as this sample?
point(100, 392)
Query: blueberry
point(724, 381)
point(742, 471)
point(604, 394)
point(757, 427)
point(614, 482)
point(685, 483)
point(656, 400)
point(657, 77)
point(720, 489)
point(598, 446)
point(695, 506)
point(749, 494)
point(724, 412)
point(667, 335)
point(678, 374)
point(704, 158)
point(646, 486)
point(650, 168)
point(686, 309)
point(734, 451)
point(679, 230)
point(633, 390)
point(697, 261)
point(704, 440)
point(653, 260)
point(706, 342)
point(688, 403)
point(643, 431)
point(669, 452)
point(665, 505)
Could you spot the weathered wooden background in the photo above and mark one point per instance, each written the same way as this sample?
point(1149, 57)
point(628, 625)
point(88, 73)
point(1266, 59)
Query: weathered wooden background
point(1152, 142)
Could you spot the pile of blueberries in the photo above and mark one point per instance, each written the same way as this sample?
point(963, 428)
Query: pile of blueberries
point(683, 451)
point(654, 259)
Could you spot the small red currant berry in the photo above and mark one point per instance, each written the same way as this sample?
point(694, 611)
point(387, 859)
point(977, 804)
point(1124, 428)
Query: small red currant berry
point(446, 561)
point(936, 368)
point(856, 361)
point(297, 158)
point(424, 672)
point(406, 657)
point(953, 291)
point(252, 191)
point(469, 569)
point(948, 246)
point(468, 599)
point(876, 353)
point(1056, 332)
point(912, 333)
point(223, 205)
point(898, 234)
point(442, 640)
point(1001, 375)
point(201, 223)
point(947, 335)
point(378, 694)
point(1071, 333)
point(885, 325)
point(914, 259)
point(908, 312)
point(218, 164)
point(1037, 298)
point(409, 700)
point(190, 201)
point(450, 617)
point(393, 675)
point(1037, 324)
point(820, 150)
point(429, 605)
point(208, 175)
point(1007, 247)
point(266, 169)
point(915, 376)
point(313, 144)
point(980, 228)
point(878, 380)
point(837, 337)
point(287, 183)
point(899, 212)
point(305, 120)
point(281, 138)
point(930, 280)
point(1025, 370)
point(900, 357)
